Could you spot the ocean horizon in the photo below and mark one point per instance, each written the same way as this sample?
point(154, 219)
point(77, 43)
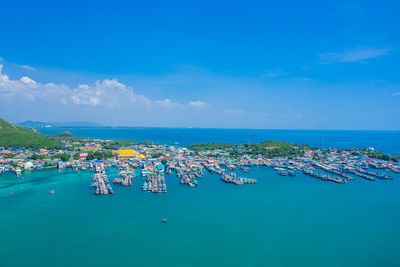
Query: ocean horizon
point(387, 141)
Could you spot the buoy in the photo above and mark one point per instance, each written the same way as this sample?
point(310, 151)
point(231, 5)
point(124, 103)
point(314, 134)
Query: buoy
point(164, 220)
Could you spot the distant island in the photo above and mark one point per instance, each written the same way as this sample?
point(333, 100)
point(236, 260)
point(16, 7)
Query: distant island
point(59, 124)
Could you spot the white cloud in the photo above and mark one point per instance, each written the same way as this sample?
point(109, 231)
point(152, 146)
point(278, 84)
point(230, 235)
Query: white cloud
point(109, 93)
point(167, 103)
point(235, 111)
point(198, 104)
point(274, 74)
point(85, 95)
point(25, 88)
point(355, 55)
point(27, 67)
point(27, 80)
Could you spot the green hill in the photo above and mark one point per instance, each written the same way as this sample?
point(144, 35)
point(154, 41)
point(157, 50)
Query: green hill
point(65, 134)
point(15, 136)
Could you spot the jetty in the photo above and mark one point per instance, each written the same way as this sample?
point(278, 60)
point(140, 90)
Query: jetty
point(126, 177)
point(231, 178)
point(310, 172)
point(155, 179)
point(359, 174)
point(102, 183)
point(376, 174)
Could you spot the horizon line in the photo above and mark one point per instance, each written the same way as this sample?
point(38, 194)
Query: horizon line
point(188, 127)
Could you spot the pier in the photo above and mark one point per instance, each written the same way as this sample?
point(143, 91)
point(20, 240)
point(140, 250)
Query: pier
point(102, 183)
point(310, 172)
point(126, 177)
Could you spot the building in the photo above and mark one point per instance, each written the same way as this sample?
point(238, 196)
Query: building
point(28, 165)
point(129, 153)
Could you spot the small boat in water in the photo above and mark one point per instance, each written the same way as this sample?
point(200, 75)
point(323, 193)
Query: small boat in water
point(51, 191)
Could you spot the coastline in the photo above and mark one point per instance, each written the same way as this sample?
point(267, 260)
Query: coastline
point(385, 141)
point(215, 210)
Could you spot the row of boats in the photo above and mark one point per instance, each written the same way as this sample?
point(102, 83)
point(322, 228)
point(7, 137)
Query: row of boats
point(125, 177)
point(375, 174)
point(285, 172)
point(155, 179)
point(325, 177)
point(102, 184)
point(160, 187)
point(341, 176)
point(231, 178)
point(189, 171)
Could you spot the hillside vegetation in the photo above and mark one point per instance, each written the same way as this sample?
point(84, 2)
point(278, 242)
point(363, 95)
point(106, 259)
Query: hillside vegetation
point(210, 146)
point(15, 136)
point(266, 148)
point(65, 134)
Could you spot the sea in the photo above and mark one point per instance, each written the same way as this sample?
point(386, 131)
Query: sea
point(280, 221)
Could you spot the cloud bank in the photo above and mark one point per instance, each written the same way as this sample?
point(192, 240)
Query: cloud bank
point(360, 55)
point(107, 93)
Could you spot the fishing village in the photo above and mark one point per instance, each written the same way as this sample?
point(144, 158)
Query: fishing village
point(152, 163)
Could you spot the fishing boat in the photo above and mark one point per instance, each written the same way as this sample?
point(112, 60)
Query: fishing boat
point(18, 171)
point(283, 173)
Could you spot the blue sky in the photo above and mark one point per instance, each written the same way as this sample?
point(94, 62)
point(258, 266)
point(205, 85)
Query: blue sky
point(231, 64)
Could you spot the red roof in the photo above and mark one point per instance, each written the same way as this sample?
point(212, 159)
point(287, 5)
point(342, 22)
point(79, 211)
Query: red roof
point(6, 152)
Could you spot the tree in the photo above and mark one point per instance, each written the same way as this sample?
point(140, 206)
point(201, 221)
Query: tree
point(64, 157)
point(37, 156)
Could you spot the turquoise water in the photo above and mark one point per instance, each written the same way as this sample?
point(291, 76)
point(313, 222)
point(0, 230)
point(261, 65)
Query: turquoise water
point(385, 141)
point(281, 221)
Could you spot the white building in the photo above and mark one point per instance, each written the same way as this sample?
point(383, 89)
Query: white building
point(28, 165)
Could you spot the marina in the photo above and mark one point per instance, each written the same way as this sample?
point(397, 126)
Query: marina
point(176, 192)
point(156, 162)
